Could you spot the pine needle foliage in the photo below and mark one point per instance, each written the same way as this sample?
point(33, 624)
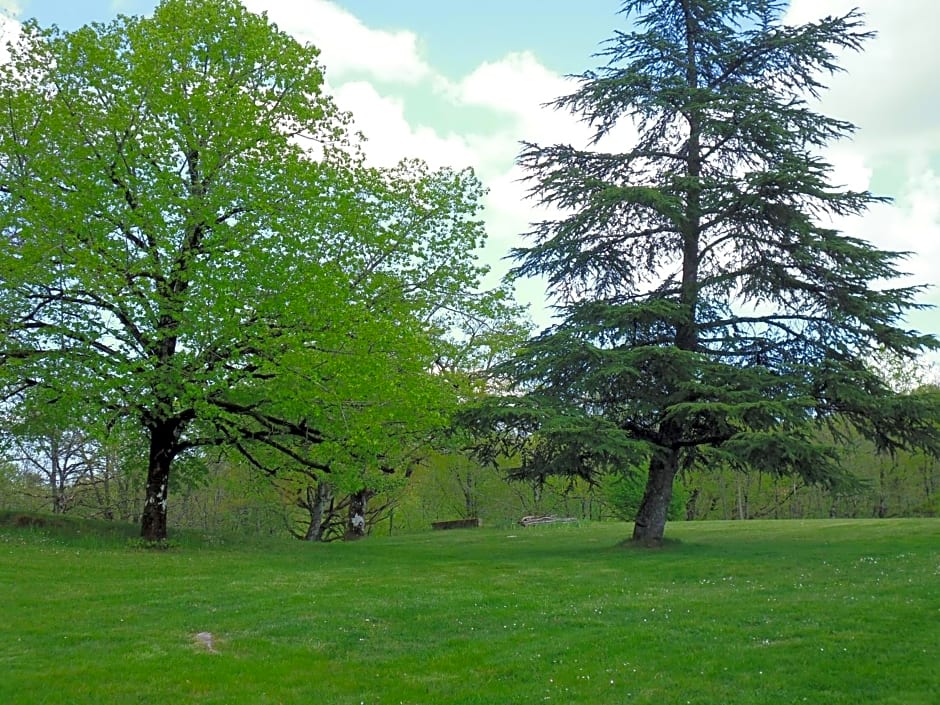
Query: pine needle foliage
point(709, 310)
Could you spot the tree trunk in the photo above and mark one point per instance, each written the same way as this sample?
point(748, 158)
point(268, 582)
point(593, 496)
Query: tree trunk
point(743, 511)
point(318, 500)
point(651, 518)
point(356, 523)
point(881, 510)
point(58, 492)
point(469, 500)
point(56, 478)
point(690, 504)
point(162, 451)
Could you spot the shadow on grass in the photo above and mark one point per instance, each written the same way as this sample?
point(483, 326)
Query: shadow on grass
point(666, 544)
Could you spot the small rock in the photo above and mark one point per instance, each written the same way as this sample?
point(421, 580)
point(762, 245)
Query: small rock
point(205, 639)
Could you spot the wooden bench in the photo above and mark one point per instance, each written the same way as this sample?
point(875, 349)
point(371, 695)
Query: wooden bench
point(456, 524)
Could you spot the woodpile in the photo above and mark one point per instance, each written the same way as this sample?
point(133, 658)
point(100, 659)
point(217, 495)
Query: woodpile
point(536, 520)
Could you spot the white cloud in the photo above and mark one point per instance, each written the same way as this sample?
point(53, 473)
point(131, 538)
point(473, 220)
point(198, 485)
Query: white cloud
point(519, 86)
point(911, 224)
point(9, 31)
point(11, 8)
point(850, 169)
point(515, 87)
point(347, 45)
point(390, 137)
point(363, 66)
point(513, 84)
point(887, 89)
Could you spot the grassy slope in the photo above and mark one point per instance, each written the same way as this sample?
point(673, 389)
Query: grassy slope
point(734, 613)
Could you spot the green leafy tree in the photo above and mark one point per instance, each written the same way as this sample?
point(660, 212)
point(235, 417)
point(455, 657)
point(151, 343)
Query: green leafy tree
point(89, 465)
point(191, 241)
point(709, 312)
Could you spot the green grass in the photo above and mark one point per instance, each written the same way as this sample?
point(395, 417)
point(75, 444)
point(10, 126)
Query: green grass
point(728, 613)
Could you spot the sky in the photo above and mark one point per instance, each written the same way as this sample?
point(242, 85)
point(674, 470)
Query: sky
point(461, 82)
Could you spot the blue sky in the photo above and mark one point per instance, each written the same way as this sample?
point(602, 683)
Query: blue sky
point(454, 34)
point(460, 82)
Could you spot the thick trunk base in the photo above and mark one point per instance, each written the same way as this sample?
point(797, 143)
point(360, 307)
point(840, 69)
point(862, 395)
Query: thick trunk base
point(319, 504)
point(153, 518)
point(650, 524)
point(356, 522)
point(153, 523)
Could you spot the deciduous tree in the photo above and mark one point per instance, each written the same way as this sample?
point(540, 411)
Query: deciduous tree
point(190, 239)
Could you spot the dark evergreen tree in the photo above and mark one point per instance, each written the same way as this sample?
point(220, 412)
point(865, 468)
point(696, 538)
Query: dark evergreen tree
point(709, 312)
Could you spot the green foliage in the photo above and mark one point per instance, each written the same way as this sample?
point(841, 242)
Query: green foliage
point(709, 315)
point(624, 495)
point(453, 486)
point(191, 241)
point(231, 499)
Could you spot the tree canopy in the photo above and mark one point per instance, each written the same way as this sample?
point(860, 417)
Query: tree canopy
point(710, 312)
point(192, 240)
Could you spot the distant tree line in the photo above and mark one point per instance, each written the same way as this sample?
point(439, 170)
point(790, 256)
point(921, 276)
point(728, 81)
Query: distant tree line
point(61, 474)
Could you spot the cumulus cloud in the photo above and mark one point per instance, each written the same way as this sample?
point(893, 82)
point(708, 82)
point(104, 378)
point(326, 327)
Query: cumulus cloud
point(390, 137)
point(363, 66)
point(518, 87)
point(9, 31)
point(911, 224)
point(511, 84)
point(348, 46)
point(888, 88)
point(888, 91)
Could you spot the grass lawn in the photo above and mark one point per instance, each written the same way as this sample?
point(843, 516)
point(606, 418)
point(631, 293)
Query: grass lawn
point(729, 613)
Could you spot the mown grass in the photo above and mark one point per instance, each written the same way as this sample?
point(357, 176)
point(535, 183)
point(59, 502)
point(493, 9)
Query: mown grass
point(728, 613)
